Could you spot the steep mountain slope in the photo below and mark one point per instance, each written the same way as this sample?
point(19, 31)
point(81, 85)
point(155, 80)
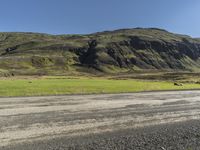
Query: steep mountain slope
point(111, 51)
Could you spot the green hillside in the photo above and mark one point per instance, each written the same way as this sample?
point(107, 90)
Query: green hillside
point(104, 52)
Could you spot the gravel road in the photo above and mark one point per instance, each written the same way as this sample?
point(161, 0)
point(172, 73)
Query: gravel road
point(140, 121)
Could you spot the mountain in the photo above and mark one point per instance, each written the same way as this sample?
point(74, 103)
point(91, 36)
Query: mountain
point(106, 52)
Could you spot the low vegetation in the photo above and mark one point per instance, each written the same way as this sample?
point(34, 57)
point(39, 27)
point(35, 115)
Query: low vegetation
point(70, 85)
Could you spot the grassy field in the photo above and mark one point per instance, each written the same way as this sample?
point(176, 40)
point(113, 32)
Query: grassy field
point(63, 85)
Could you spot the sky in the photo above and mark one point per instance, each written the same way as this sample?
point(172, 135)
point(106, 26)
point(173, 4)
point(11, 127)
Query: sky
point(89, 16)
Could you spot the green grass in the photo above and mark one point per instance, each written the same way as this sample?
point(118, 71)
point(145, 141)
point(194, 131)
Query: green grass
point(57, 86)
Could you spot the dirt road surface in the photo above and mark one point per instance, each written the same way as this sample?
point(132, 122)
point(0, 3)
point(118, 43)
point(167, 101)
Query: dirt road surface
point(149, 120)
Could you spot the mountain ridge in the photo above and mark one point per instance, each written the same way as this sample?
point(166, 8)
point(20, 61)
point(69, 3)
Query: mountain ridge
point(27, 53)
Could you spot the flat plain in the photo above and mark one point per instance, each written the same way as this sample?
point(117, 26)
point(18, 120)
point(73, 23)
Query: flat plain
point(66, 85)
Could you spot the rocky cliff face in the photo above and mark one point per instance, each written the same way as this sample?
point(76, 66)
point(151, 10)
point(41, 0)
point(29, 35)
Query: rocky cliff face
point(129, 49)
point(145, 53)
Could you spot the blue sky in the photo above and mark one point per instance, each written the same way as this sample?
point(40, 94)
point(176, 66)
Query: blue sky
point(88, 16)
